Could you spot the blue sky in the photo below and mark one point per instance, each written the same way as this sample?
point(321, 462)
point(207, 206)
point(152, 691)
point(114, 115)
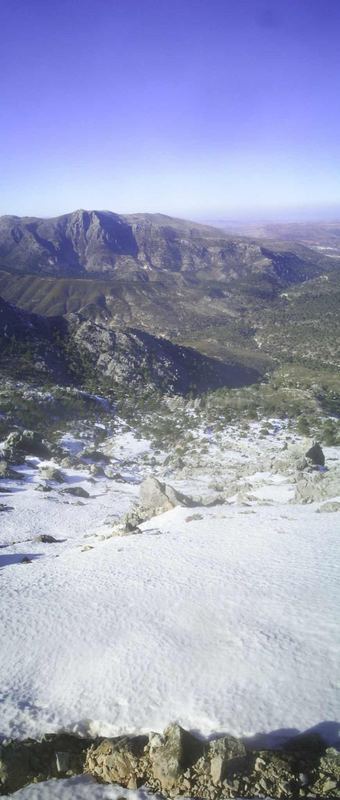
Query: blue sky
point(197, 108)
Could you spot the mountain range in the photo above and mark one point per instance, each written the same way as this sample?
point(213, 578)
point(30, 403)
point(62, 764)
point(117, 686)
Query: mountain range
point(246, 302)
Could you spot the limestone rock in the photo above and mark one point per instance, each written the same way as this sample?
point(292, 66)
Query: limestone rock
point(329, 506)
point(22, 762)
point(117, 760)
point(221, 753)
point(75, 491)
point(317, 486)
point(51, 473)
point(7, 472)
point(24, 443)
point(172, 753)
point(157, 495)
point(46, 538)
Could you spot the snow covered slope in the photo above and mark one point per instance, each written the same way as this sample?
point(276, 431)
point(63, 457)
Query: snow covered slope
point(222, 618)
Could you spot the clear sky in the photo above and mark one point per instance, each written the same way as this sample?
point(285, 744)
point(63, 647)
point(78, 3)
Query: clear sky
point(194, 108)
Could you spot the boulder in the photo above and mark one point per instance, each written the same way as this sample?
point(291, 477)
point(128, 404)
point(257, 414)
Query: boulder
point(171, 754)
point(95, 455)
point(329, 507)
point(317, 486)
point(46, 538)
point(7, 472)
point(222, 754)
point(157, 495)
point(24, 443)
point(50, 473)
point(24, 762)
point(97, 471)
point(118, 761)
point(75, 491)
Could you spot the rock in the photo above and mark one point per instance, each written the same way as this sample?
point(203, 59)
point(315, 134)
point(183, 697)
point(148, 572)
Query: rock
point(329, 506)
point(221, 753)
point(95, 455)
point(193, 517)
point(133, 519)
point(69, 461)
point(24, 443)
point(27, 761)
point(117, 760)
point(75, 491)
point(7, 472)
point(45, 538)
point(172, 753)
point(156, 495)
point(317, 486)
point(51, 473)
point(97, 471)
point(43, 487)
point(5, 508)
point(327, 775)
point(316, 455)
point(115, 476)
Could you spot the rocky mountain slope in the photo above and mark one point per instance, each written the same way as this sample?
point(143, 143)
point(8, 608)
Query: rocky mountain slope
point(75, 349)
point(100, 242)
point(253, 303)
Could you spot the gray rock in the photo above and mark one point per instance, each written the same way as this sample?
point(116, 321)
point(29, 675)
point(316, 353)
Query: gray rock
point(329, 506)
point(156, 495)
point(22, 762)
point(221, 753)
point(172, 753)
point(317, 486)
point(97, 471)
point(45, 538)
point(51, 473)
point(117, 760)
point(75, 491)
point(7, 472)
point(24, 443)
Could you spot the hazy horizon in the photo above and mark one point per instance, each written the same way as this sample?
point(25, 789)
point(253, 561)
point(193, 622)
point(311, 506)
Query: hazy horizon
point(198, 110)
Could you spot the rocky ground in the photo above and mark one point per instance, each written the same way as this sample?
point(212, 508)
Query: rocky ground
point(195, 581)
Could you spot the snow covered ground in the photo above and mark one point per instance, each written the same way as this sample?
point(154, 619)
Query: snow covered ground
point(82, 788)
point(222, 618)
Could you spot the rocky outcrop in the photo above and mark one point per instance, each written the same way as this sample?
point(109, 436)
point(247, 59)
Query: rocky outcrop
point(317, 486)
point(24, 443)
point(55, 756)
point(155, 495)
point(178, 763)
point(75, 349)
point(102, 243)
point(51, 473)
point(155, 498)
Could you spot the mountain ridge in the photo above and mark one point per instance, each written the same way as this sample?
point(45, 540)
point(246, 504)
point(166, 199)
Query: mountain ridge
point(245, 301)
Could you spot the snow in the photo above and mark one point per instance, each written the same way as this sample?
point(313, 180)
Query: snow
point(225, 623)
point(81, 788)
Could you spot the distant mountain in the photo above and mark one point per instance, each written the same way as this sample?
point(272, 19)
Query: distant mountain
point(323, 236)
point(100, 243)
